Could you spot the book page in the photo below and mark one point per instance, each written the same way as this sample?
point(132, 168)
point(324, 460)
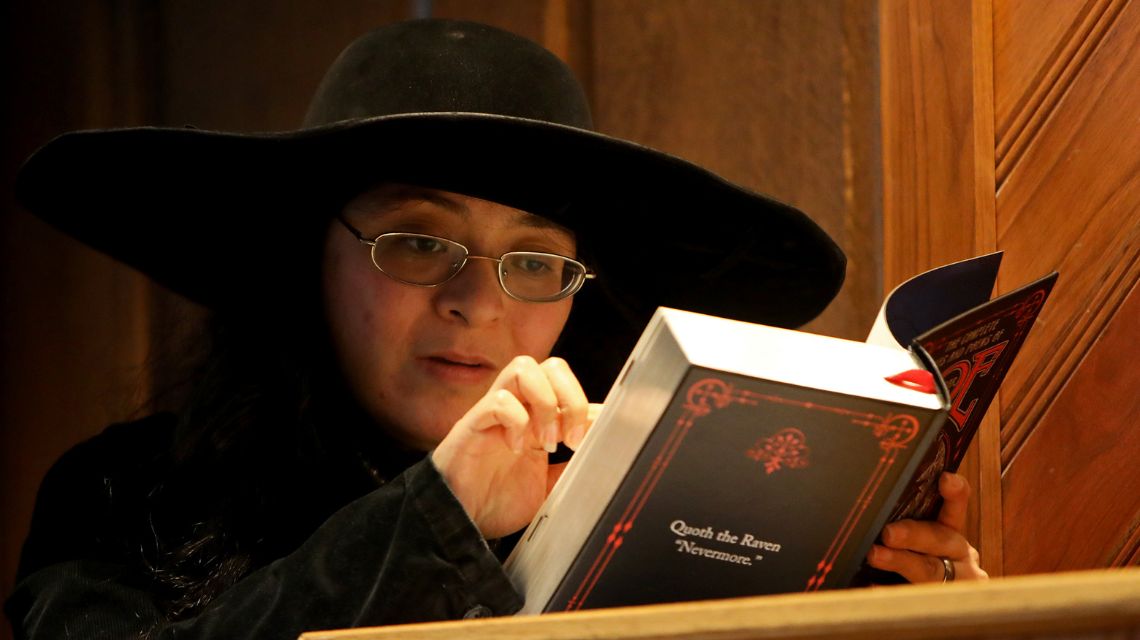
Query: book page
point(933, 297)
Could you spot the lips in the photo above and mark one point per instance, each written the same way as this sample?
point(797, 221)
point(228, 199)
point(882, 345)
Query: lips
point(450, 361)
point(460, 359)
point(461, 368)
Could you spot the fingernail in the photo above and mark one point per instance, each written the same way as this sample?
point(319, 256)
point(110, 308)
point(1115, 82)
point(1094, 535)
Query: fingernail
point(880, 555)
point(550, 437)
point(574, 438)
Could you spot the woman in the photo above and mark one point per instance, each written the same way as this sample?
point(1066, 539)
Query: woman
point(388, 285)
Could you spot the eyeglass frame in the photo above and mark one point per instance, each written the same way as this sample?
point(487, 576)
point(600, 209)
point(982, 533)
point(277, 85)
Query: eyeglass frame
point(586, 273)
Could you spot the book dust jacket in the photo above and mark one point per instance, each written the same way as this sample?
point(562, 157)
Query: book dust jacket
point(748, 487)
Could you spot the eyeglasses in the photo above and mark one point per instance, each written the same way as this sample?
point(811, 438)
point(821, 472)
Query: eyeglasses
point(429, 261)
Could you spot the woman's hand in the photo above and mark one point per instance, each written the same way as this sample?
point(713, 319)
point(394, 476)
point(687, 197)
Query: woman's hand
point(495, 457)
point(915, 549)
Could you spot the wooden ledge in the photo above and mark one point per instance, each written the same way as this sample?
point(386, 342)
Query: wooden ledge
point(1090, 602)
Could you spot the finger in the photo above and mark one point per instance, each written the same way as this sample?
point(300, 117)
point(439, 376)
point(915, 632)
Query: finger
point(915, 567)
point(501, 408)
point(575, 438)
point(955, 499)
point(593, 413)
point(572, 404)
point(930, 538)
point(530, 383)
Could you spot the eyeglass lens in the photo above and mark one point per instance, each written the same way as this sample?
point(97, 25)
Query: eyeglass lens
point(426, 260)
point(417, 259)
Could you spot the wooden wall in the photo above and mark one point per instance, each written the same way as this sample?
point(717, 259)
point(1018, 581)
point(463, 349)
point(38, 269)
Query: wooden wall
point(780, 95)
point(1012, 124)
point(1068, 197)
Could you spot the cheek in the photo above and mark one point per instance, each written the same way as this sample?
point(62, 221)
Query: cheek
point(540, 330)
point(360, 308)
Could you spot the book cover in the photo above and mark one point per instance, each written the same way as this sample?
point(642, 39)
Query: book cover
point(736, 459)
point(714, 504)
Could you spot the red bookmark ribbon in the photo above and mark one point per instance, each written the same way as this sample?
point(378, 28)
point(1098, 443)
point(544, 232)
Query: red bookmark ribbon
point(917, 379)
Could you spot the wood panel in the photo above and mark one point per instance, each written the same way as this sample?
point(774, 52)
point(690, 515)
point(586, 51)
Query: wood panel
point(1091, 210)
point(73, 323)
point(1063, 193)
point(1029, 38)
point(1078, 28)
point(938, 180)
point(1072, 202)
point(252, 66)
point(778, 96)
point(1072, 497)
point(937, 135)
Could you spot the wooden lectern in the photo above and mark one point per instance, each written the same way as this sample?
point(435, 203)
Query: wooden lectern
point(1087, 605)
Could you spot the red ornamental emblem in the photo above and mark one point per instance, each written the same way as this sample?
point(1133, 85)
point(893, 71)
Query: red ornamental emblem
point(787, 449)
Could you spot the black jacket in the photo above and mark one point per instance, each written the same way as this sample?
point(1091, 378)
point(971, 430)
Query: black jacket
point(404, 552)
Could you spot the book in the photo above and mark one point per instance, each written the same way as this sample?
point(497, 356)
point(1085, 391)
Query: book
point(737, 459)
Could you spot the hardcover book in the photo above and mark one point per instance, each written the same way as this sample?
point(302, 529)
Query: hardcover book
point(737, 459)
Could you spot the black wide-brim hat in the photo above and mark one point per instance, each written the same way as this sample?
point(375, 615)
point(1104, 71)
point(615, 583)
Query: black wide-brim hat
point(223, 218)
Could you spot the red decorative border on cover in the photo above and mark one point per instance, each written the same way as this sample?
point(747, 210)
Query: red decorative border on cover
point(894, 432)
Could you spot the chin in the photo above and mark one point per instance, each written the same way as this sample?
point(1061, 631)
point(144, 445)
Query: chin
point(425, 419)
point(430, 430)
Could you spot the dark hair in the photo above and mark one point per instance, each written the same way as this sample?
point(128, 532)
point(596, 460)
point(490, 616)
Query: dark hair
point(268, 444)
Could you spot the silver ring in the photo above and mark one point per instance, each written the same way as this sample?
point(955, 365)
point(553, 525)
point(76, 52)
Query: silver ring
point(947, 570)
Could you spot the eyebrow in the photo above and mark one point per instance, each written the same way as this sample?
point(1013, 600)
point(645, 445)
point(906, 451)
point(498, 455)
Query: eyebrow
point(402, 193)
point(538, 222)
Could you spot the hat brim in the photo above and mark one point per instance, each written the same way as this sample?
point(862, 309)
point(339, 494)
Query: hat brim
point(212, 215)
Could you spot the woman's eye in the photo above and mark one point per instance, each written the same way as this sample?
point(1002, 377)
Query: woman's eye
point(535, 266)
point(422, 244)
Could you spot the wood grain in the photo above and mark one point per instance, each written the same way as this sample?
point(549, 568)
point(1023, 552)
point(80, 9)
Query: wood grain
point(862, 175)
point(1127, 552)
point(733, 86)
point(1028, 34)
point(1053, 78)
point(1065, 207)
point(253, 66)
point(1068, 445)
point(1072, 496)
point(1102, 604)
point(937, 135)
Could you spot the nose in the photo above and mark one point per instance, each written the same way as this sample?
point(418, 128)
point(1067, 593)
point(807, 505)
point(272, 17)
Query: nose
point(474, 296)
